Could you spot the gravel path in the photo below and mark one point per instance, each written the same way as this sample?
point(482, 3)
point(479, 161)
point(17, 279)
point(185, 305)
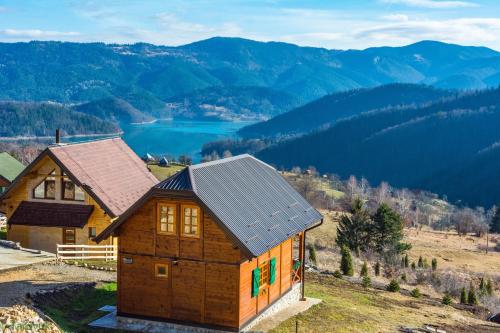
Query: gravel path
point(15, 285)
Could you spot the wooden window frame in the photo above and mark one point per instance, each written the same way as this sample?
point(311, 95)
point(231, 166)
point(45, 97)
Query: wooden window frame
point(158, 218)
point(65, 179)
point(44, 182)
point(183, 221)
point(90, 233)
point(64, 235)
point(161, 276)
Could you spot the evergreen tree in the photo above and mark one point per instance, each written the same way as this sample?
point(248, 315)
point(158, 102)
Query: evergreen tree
point(364, 270)
point(447, 300)
point(312, 254)
point(354, 230)
point(407, 261)
point(346, 262)
point(420, 262)
point(463, 296)
point(377, 268)
point(388, 230)
point(416, 293)
point(472, 298)
point(403, 277)
point(482, 287)
point(393, 286)
point(402, 262)
point(366, 282)
point(495, 221)
point(489, 287)
point(413, 266)
point(434, 264)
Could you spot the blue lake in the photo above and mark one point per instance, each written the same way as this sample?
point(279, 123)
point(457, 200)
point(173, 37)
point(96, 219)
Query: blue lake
point(177, 137)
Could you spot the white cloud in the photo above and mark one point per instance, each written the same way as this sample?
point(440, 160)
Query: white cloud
point(396, 17)
point(36, 33)
point(435, 4)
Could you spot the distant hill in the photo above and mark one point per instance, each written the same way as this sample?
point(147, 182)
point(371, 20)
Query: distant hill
point(328, 109)
point(113, 109)
point(232, 103)
point(41, 119)
point(442, 147)
point(82, 72)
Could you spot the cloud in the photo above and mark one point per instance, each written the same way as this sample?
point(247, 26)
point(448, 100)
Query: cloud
point(434, 4)
point(396, 17)
point(36, 33)
point(471, 31)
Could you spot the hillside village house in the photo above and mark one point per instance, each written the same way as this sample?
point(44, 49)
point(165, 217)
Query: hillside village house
point(10, 168)
point(214, 245)
point(71, 192)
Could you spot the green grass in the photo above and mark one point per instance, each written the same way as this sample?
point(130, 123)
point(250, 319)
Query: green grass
point(72, 314)
point(93, 262)
point(3, 233)
point(164, 172)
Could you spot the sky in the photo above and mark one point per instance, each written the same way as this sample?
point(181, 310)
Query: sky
point(354, 24)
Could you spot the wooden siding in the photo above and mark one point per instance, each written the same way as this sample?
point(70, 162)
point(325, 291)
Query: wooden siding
point(46, 238)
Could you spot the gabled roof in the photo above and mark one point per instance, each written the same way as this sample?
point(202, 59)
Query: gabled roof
point(249, 199)
point(10, 168)
point(107, 169)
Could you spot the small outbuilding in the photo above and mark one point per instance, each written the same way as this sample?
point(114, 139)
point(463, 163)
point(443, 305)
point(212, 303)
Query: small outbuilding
point(215, 245)
point(10, 168)
point(164, 162)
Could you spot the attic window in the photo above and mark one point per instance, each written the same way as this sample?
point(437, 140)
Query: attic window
point(190, 221)
point(166, 218)
point(70, 191)
point(47, 188)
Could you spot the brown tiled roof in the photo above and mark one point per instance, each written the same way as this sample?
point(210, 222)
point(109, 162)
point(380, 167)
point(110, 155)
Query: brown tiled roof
point(51, 214)
point(108, 169)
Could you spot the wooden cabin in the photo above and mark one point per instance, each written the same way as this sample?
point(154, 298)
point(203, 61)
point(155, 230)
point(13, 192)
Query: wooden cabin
point(214, 245)
point(10, 168)
point(72, 192)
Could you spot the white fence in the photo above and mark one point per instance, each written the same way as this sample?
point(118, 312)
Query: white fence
point(82, 252)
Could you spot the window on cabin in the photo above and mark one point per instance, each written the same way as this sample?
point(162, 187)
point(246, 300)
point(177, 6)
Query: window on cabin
point(190, 221)
point(161, 271)
point(264, 274)
point(92, 232)
point(70, 191)
point(166, 218)
point(47, 188)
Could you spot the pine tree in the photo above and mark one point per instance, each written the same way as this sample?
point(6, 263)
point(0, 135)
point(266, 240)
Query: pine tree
point(354, 229)
point(364, 270)
point(393, 286)
point(403, 277)
point(407, 261)
point(489, 287)
point(447, 300)
point(495, 221)
point(482, 287)
point(377, 268)
point(472, 298)
point(388, 230)
point(413, 266)
point(420, 262)
point(346, 262)
point(463, 296)
point(434, 264)
point(366, 282)
point(312, 254)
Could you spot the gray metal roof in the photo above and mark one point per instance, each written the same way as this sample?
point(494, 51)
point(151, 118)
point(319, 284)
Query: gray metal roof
point(252, 200)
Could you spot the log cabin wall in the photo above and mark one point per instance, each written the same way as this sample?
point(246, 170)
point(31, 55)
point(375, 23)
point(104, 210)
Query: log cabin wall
point(203, 272)
point(250, 306)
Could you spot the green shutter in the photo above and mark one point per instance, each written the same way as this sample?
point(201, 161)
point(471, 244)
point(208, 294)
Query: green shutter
point(255, 282)
point(296, 265)
point(272, 270)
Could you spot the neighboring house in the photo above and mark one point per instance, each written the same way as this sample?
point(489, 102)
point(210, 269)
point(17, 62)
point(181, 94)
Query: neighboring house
point(214, 245)
point(10, 168)
point(71, 192)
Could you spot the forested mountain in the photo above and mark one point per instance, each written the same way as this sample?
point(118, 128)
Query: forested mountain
point(81, 72)
point(434, 147)
point(113, 109)
point(41, 119)
point(328, 109)
point(231, 103)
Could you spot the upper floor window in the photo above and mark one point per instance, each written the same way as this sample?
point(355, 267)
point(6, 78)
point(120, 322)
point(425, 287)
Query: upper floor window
point(166, 218)
point(47, 188)
point(190, 221)
point(70, 191)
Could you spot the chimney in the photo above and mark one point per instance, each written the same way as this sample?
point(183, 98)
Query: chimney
point(58, 136)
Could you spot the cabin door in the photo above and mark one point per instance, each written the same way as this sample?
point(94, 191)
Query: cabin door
point(69, 236)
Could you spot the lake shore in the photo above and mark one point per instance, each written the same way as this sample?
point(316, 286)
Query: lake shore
point(30, 138)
